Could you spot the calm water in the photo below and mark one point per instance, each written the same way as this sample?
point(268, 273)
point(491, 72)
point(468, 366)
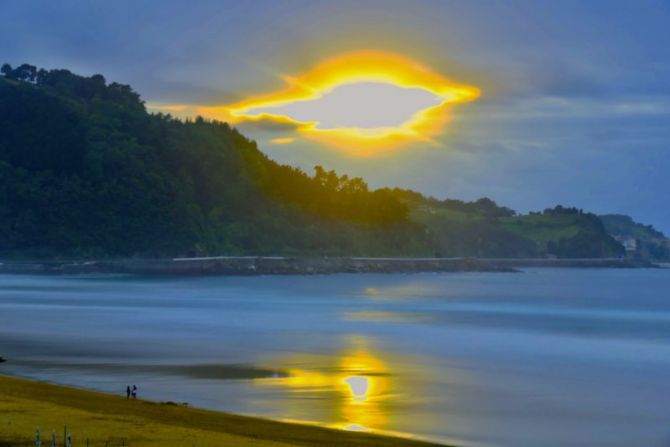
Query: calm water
point(542, 358)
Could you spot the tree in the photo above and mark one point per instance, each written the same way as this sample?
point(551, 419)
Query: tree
point(6, 71)
point(26, 73)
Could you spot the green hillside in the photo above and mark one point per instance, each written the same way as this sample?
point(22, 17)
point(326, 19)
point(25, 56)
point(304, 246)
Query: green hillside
point(649, 242)
point(482, 228)
point(87, 172)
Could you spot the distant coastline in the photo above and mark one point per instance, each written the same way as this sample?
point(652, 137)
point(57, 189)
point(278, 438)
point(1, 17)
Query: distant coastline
point(281, 265)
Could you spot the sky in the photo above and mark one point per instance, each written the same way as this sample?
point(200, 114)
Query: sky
point(573, 105)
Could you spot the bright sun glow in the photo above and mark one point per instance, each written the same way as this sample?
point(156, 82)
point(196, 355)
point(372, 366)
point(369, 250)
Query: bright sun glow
point(367, 107)
point(363, 102)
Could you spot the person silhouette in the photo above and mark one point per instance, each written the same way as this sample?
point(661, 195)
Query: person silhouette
point(134, 392)
point(128, 392)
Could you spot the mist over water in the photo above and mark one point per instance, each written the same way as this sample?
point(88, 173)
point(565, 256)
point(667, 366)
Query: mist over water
point(549, 357)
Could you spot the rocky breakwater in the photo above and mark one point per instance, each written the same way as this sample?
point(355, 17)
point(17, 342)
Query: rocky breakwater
point(257, 265)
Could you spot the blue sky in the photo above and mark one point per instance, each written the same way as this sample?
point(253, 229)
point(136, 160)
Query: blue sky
point(575, 105)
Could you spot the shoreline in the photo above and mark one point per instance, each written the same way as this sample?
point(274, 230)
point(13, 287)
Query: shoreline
point(281, 265)
point(107, 418)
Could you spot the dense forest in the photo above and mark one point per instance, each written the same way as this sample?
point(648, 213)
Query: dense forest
point(87, 172)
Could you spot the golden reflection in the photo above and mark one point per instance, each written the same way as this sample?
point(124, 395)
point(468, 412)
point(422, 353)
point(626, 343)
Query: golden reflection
point(356, 385)
point(365, 382)
point(385, 316)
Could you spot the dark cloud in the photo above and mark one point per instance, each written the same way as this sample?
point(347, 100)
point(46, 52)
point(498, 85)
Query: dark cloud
point(267, 126)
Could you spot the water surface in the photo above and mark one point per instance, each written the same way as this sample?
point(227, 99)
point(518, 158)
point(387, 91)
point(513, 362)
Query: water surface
point(548, 357)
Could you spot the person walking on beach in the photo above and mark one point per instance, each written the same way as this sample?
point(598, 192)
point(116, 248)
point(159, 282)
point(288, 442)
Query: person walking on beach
point(134, 392)
point(128, 392)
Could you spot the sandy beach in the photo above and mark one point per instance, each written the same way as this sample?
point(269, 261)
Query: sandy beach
point(109, 420)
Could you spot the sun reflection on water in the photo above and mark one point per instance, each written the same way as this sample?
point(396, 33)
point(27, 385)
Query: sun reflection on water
point(365, 383)
point(351, 391)
point(359, 387)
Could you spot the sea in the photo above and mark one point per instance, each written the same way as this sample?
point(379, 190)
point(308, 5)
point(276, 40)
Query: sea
point(543, 357)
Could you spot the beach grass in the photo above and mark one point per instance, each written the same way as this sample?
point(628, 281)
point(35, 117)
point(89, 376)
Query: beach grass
point(108, 420)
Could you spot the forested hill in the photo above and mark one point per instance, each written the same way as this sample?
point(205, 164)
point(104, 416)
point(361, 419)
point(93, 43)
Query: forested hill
point(86, 172)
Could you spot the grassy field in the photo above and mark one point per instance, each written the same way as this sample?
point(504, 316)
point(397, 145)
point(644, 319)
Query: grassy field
point(542, 228)
point(109, 420)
